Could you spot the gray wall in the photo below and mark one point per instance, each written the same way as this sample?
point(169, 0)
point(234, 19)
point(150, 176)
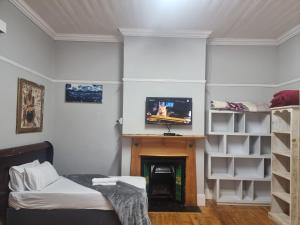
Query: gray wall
point(86, 137)
point(25, 44)
point(175, 60)
point(289, 60)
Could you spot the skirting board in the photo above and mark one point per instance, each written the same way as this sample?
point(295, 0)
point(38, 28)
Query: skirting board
point(201, 199)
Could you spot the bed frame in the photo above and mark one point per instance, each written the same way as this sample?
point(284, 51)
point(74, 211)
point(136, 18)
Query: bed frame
point(9, 216)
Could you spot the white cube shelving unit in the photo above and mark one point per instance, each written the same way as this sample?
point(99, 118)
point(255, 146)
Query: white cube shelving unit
point(238, 151)
point(285, 206)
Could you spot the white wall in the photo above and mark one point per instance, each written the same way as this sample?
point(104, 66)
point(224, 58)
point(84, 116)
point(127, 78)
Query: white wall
point(178, 62)
point(25, 44)
point(86, 138)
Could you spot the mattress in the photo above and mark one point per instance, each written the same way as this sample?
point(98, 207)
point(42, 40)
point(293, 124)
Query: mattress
point(66, 194)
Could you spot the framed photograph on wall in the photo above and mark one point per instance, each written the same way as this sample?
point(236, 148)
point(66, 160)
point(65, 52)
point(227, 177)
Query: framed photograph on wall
point(84, 93)
point(30, 107)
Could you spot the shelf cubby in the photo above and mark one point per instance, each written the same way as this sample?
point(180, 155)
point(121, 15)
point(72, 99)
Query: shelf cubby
point(281, 121)
point(281, 188)
point(248, 190)
point(267, 168)
point(222, 167)
point(237, 145)
point(215, 144)
point(221, 122)
point(239, 122)
point(281, 142)
point(257, 122)
point(254, 142)
point(265, 145)
point(249, 167)
point(281, 207)
point(281, 164)
point(230, 189)
point(262, 191)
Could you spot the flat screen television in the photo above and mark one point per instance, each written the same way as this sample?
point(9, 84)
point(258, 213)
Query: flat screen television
point(161, 110)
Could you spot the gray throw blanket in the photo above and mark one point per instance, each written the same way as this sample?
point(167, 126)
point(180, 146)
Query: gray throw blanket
point(129, 202)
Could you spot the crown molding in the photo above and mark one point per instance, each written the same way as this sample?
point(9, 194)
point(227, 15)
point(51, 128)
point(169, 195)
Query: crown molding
point(157, 33)
point(288, 35)
point(241, 41)
point(33, 16)
point(86, 37)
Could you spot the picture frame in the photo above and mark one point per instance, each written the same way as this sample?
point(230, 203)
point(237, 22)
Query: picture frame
point(30, 107)
point(83, 93)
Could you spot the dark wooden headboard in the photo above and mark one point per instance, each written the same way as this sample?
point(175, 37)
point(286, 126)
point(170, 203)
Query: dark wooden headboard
point(16, 156)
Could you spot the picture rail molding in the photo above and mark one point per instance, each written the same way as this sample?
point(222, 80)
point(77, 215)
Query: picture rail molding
point(46, 77)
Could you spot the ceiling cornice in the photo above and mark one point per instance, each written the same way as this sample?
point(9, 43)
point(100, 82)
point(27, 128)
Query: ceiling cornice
point(87, 38)
point(35, 18)
point(156, 33)
point(288, 35)
point(239, 41)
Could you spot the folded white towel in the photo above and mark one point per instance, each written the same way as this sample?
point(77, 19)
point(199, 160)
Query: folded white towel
point(104, 180)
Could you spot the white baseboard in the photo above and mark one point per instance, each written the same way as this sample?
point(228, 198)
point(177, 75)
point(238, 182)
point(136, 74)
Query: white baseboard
point(201, 199)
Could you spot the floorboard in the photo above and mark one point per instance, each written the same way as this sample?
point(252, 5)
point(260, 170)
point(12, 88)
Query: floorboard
point(214, 214)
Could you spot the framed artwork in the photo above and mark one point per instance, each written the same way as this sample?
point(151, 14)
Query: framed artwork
point(30, 105)
point(84, 93)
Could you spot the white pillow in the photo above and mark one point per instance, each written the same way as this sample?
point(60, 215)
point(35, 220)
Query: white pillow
point(16, 174)
point(38, 177)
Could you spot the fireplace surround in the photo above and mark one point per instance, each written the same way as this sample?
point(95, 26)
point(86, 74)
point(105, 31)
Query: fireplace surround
point(167, 146)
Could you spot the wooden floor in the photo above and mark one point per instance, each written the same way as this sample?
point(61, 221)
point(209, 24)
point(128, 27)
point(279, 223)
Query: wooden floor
point(214, 214)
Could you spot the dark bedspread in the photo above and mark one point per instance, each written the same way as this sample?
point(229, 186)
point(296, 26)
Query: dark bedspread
point(129, 202)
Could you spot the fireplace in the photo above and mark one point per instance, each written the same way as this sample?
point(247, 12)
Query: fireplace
point(165, 178)
point(161, 157)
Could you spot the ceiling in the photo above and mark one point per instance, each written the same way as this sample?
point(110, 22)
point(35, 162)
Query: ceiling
point(239, 19)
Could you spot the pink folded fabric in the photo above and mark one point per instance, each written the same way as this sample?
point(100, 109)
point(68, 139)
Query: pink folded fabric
point(285, 98)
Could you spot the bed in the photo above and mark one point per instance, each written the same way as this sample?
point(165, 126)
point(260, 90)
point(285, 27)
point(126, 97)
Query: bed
point(94, 210)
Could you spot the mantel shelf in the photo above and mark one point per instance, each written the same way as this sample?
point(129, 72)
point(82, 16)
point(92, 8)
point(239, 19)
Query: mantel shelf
point(162, 136)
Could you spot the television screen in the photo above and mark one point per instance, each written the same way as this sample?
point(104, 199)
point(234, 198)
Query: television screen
point(169, 111)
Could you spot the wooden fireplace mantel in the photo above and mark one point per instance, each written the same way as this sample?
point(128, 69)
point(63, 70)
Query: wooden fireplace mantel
point(167, 146)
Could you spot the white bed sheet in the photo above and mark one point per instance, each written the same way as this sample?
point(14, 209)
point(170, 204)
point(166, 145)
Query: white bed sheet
point(66, 194)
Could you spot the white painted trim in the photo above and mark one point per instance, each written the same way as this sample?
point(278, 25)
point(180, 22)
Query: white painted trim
point(33, 16)
point(241, 85)
point(236, 41)
point(156, 33)
point(201, 199)
point(14, 63)
point(86, 37)
point(163, 80)
point(288, 35)
point(2, 27)
point(287, 82)
point(89, 81)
